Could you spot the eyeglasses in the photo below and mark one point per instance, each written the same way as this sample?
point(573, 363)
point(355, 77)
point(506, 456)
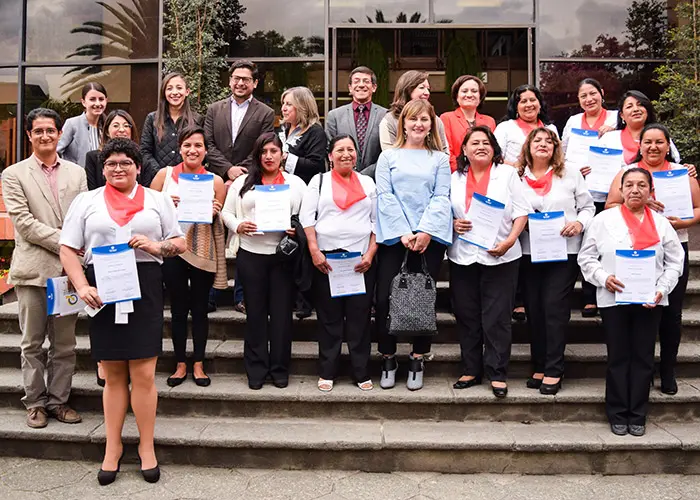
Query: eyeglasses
point(366, 81)
point(124, 164)
point(242, 79)
point(38, 132)
point(119, 126)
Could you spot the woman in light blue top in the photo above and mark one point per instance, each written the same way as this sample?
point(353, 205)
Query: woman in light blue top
point(414, 215)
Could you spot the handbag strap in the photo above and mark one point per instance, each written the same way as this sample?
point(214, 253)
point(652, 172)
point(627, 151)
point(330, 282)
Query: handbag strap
point(404, 264)
point(424, 265)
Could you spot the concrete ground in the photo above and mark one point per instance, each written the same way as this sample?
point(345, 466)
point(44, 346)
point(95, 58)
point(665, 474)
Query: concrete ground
point(29, 479)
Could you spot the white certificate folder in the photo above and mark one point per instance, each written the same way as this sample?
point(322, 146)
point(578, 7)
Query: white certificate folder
point(672, 188)
point(486, 215)
point(196, 196)
point(636, 270)
point(343, 280)
point(60, 299)
point(273, 204)
point(116, 273)
point(546, 242)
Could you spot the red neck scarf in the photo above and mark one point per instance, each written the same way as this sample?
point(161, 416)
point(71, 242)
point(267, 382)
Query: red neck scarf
point(600, 121)
point(474, 186)
point(542, 185)
point(178, 169)
point(642, 232)
point(121, 208)
point(665, 166)
point(527, 127)
point(630, 146)
point(279, 179)
point(346, 192)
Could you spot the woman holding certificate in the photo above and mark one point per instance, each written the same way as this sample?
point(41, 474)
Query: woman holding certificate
point(126, 231)
point(188, 277)
point(677, 198)
point(634, 257)
point(563, 207)
point(414, 216)
point(258, 208)
point(595, 117)
point(490, 211)
point(338, 214)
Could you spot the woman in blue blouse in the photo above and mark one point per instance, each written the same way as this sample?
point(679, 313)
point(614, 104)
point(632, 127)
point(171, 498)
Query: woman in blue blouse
point(414, 215)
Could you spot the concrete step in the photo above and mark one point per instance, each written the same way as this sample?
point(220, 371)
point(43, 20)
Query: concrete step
point(378, 446)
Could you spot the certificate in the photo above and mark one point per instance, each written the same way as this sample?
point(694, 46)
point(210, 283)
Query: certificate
point(196, 197)
point(343, 279)
point(605, 163)
point(60, 299)
point(577, 150)
point(546, 242)
point(115, 273)
point(672, 188)
point(486, 215)
point(636, 269)
point(273, 208)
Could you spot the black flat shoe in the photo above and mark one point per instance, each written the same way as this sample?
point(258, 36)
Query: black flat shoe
point(637, 430)
point(590, 312)
point(100, 381)
point(533, 383)
point(105, 477)
point(466, 384)
point(500, 392)
point(202, 382)
point(280, 384)
point(550, 389)
point(256, 386)
point(669, 387)
point(175, 381)
point(619, 429)
point(519, 316)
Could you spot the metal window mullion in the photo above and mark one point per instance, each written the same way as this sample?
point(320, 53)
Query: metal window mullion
point(19, 140)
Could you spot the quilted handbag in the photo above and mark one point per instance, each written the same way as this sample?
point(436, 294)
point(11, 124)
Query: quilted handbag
point(412, 302)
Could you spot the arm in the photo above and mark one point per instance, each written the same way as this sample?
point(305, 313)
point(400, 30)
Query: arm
point(565, 136)
point(589, 256)
point(150, 165)
point(229, 214)
point(678, 223)
point(391, 220)
point(437, 217)
point(308, 214)
point(615, 194)
point(503, 246)
point(67, 136)
point(386, 135)
point(443, 137)
point(520, 208)
point(584, 202)
point(451, 143)
point(331, 125)
point(91, 170)
point(159, 180)
point(674, 258)
point(313, 160)
point(501, 134)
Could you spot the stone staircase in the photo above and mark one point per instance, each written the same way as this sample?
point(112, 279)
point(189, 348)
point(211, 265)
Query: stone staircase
point(434, 429)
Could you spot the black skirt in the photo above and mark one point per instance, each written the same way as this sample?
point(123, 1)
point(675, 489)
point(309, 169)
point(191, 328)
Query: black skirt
point(142, 337)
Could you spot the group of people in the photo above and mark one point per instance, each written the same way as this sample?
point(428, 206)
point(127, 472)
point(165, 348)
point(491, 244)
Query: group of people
point(395, 186)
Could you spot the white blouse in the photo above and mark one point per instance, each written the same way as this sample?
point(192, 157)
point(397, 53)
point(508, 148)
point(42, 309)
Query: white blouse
point(568, 194)
point(88, 224)
point(506, 187)
point(237, 210)
point(608, 233)
point(335, 228)
point(575, 122)
point(511, 139)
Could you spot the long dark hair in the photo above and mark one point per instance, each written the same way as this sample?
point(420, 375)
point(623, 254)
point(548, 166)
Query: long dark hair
point(463, 161)
point(255, 170)
point(514, 99)
point(667, 135)
point(643, 100)
point(187, 117)
point(99, 88)
point(110, 118)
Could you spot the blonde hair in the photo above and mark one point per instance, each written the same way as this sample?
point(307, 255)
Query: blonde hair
point(303, 100)
point(525, 158)
point(416, 107)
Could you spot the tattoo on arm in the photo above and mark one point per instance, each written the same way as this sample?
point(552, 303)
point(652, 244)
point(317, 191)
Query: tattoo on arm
point(168, 249)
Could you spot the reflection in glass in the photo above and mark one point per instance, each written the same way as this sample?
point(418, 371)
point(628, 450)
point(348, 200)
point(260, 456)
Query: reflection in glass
point(484, 11)
point(8, 117)
point(275, 78)
point(10, 12)
point(389, 11)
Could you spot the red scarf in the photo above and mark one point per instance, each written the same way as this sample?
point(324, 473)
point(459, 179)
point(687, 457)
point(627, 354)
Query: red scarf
point(526, 127)
point(643, 233)
point(598, 123)
point(665, 166)
point(346, 192)
point(630, 146)
point(542, 185)
point(279, 179)
point(121, 208)
point(177, 170)
point(481, 187)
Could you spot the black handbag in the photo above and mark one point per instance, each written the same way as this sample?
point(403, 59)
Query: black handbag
point(412, 302)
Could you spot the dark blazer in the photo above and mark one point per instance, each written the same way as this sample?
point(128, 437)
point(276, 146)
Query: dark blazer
point(222, 153)
point(311, 150)
point(95, 174)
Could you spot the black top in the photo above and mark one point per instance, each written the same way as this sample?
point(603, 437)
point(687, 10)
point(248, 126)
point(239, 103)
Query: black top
point(311, 150)
point(95, 174)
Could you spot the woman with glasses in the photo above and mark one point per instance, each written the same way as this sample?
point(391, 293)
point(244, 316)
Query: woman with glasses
point(119, 123)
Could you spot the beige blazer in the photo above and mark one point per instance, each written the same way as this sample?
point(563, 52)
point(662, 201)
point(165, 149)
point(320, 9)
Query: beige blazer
point(37, 218)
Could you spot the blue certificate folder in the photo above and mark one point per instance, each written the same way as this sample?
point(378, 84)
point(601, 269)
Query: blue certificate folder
point(272, 188)
point(197, 177)
point(113, 250)
point(584, 133)
point(649, 255)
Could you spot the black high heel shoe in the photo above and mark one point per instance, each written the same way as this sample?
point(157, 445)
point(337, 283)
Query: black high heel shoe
point(100, 381)
point(105, 477)
point(150, 475)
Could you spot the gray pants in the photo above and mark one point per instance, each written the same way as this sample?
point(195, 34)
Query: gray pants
point(60, 362)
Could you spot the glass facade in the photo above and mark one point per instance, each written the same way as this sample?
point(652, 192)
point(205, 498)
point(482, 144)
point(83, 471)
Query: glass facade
point(50, 48)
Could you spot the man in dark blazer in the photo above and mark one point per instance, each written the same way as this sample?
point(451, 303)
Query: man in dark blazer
point(360, 119)
point(233, 124)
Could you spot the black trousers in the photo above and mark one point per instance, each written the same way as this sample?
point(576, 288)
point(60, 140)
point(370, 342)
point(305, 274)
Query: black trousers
point(630, 333)
point(671, 323)
point(268, 288)
point(390, 259)
point(588, 289)
point(548, 287)
point(343, 318)
point(483, 298)
point(188, 288)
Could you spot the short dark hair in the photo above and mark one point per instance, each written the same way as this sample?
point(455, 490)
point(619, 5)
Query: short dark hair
point(643, 100)
point(43, 113)
point(667, 135)
point(514, 99)
point(365, 70)
point(340, 137)
point(120, 145)
point(244, 63)
point(463, 161)
point(462, 80)
point(123, 114)
point(188, 132)
point(640, 170)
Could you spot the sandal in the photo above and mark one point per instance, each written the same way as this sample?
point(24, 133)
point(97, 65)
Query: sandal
point(325, 385)
point(367, 385)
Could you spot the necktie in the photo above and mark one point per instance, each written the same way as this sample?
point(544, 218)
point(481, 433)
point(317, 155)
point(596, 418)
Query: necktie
point(361, 127)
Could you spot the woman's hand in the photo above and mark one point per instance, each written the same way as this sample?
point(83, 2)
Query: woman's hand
point(176, 199)
point(657, 299)
point(421, 242)
point(604, 130)
point(365, 264)
point(216, 208)
point(657, 206)
point(676, 222)
point(408, 240)
point(320, 262)
point(692, 171)
point(291, 232)
point(572, 229)
point(461, 226)
point(612, 284)
point(585, 171)
point(501, 248)
point(246, 227)
point(89, 295)
point(141, 242)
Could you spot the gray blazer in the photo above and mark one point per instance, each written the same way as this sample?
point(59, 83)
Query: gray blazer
point(342, 121)
point(75, 141)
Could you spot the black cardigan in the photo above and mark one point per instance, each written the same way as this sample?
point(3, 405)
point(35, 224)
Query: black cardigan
point(94, 171)
point(311, 150)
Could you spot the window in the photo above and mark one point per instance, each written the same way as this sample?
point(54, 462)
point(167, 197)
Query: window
point(384, 11)
point(10, 13)
point(8, 117)
point(484, 11)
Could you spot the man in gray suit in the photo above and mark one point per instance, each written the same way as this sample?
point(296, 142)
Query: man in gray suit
point(360, 119)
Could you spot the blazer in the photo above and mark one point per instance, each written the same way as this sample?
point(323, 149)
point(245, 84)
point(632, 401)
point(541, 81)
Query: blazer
point(37, 218)
point(75, 141)
point(309, 153)
point(342, 121)
point(456, 128)
point(222, 153)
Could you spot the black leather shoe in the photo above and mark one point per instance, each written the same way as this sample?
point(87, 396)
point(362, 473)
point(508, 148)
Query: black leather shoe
point(550, 389)
point(466, 384)
point(637, 430)
point(619, 429)
point(280, 384)
point(105, 477)
point(519, 316)
point(256, 386)
point(175, 381)
point(202, 382)
point(669, 387)
point(590, 312)
point(533, 383)
point(499, 392)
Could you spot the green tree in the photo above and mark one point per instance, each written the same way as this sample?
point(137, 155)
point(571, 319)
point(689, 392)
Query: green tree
point(462, 56)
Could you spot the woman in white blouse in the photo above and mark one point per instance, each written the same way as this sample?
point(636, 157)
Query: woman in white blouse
point(550, 187)
point(630, 328)
point(483, 281)
point(267, 277)
point(338, 214)
point(127, 338)
point(595, 116)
